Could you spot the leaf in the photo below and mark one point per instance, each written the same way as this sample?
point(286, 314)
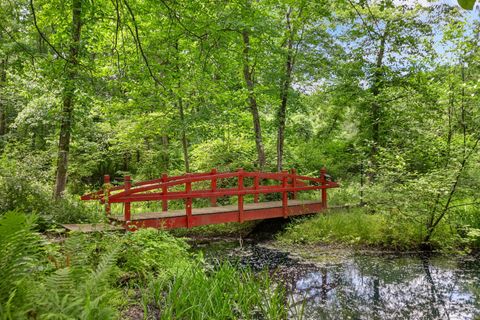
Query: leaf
point(467, 4)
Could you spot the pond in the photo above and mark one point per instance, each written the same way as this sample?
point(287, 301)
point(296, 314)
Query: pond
point(342, 284)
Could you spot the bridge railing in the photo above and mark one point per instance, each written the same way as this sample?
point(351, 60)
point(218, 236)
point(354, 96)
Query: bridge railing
point(289, 182)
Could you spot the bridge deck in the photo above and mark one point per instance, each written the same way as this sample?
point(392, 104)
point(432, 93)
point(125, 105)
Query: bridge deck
point(220, 209)
point(222, 214)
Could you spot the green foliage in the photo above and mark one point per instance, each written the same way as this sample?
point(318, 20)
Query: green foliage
point(225, 154)
point(20, 256)
point(467, 4)
point(154, 252)
point(82, 278)
point(359, 228)
point(74, 287)
point(350, 227)
point(21, 190)
point(223, 293)
point(216, 230)
point(79, 291)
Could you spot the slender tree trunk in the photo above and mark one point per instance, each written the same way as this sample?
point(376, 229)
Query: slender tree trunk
point(165, 157)
point(68, 101)
point(376, 108)
point(3, 111)
point(284, 88)
point(184, 135)
point(248, 71)
point(181, 112)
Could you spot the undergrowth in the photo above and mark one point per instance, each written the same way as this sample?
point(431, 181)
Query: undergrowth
point(22, 191)
point(103, 275)
point(222, 293)
point(359, 227)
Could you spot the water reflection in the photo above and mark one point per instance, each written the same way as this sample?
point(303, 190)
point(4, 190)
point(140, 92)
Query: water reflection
point(379, 287)
point(367, 286)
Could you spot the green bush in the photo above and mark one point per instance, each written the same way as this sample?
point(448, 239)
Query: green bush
point(359, 227)
point(39, 281)
point(21, 191)
point(154, 252)
point(350, 227)
point(225, 155)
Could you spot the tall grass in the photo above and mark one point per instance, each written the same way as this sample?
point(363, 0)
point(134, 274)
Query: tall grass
point(224, 293)
point(359, 227)
point(83, 278)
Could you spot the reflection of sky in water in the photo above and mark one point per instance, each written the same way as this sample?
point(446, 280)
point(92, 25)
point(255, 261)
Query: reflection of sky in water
point(388, 288)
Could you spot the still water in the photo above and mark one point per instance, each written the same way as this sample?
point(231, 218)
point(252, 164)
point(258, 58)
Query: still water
point(339, 284)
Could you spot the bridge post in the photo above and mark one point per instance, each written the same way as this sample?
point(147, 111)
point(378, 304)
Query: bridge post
point(188, 202)
point(285, 194)
point(255, 187)
point(106, 193)
point(294, 182)
point(213, 200)
point(127, 207)
point(164, 192)
point(323, 178)
point(240, 195)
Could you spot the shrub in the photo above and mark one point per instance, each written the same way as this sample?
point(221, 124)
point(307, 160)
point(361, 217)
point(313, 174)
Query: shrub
point(380, 229)
point(154, 252)
point(72, 285)
point(20, 191)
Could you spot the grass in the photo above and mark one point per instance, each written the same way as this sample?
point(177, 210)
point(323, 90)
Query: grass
point(95, 276)
point(346, 226)
point(358, 228)
point(223, 293)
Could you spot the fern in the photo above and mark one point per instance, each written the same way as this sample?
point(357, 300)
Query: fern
point(20, 249)
point(80, 292)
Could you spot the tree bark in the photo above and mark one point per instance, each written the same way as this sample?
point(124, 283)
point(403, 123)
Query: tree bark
point(184, 136)
point(68, 101)
point(375, 112)
point(165, 156)
point(181, 112)
point(248, 71)
point(284, 88)
point(3, 111)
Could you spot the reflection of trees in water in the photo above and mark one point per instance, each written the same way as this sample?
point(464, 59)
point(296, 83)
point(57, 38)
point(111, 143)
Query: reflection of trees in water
point(433, 290)
point(380, 288)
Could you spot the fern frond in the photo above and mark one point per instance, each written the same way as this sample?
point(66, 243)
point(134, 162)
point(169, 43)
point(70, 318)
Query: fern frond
point(19, 251)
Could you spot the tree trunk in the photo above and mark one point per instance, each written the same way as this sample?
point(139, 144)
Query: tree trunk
point(3, 106)
point(376, 108)
point(165, 155)
point(284, 88)
point(184, 136)
point(181, 111)
point(248, 76)
point(68, 101)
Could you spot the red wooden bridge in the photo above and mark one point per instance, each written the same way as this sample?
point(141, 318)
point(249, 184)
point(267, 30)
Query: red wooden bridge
point(210, 187)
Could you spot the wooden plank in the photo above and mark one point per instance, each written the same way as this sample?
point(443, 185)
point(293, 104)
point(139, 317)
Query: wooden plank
point(91, 227)
point(217, 210)
point(225, 217)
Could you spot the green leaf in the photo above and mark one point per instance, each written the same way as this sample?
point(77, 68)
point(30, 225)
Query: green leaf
point(467, 4)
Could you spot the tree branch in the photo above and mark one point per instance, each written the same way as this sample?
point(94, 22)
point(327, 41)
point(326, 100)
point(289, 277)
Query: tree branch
point(137, 36)
point(42, 35)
